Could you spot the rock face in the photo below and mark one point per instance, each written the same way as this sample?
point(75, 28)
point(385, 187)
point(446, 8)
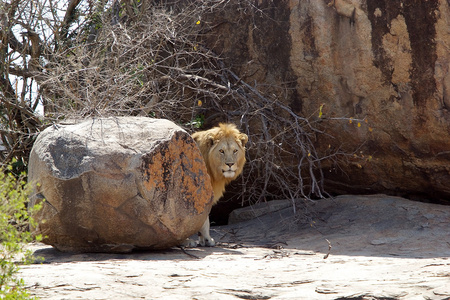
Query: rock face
point(115, 184)
point(385, 64)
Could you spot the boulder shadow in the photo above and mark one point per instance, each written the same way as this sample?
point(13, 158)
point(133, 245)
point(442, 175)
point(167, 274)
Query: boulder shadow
point(48, 255)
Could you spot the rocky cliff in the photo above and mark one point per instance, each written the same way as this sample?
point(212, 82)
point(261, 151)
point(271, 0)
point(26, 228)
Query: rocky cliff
point(379, 68)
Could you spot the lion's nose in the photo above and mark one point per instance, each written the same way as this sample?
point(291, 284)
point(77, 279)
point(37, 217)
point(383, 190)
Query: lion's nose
point(229, 164)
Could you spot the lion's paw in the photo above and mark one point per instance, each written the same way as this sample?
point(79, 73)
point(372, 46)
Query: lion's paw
point(190, 243)
point(207, 242)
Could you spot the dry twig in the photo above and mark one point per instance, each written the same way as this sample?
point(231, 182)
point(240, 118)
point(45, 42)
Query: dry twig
point(187, 253)
point(141, 58)
point(329, 249)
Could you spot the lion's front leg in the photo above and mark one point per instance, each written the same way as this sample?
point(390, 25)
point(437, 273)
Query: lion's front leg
point(204, 238)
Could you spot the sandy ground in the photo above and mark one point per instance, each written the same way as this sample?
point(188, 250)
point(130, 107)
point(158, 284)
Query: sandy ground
point(381, 248)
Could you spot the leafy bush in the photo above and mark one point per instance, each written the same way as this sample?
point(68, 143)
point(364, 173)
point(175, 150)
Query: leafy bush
point(14, 234)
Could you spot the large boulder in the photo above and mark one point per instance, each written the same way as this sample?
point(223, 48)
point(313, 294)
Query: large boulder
point(116, 184)
point(386, 63)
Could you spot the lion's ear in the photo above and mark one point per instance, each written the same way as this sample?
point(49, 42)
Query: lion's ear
point(197, 137)
point(203, 138)
point(210, 138)
point(243, 138)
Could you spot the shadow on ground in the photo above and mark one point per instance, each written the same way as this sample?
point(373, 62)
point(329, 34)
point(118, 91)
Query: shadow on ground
point(376, 225)
point(51, 255)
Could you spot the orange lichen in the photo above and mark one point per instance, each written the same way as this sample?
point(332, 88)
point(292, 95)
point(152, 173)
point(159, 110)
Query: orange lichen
point(177, 166)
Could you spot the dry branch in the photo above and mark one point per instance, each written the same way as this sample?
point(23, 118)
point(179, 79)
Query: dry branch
point(144, 58)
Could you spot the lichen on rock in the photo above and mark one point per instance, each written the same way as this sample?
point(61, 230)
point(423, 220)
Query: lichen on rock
point(117, 184)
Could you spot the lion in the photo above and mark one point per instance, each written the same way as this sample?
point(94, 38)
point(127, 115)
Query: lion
point(223, 150)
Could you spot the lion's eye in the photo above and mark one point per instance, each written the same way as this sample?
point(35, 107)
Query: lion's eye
point(221, 151)
point(235, 151)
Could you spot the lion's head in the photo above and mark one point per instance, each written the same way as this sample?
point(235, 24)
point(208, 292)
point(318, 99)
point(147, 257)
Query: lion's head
point(223, 149)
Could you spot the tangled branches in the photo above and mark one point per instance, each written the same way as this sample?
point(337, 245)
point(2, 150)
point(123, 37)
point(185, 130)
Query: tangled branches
point(153, 67)
point(147, 59)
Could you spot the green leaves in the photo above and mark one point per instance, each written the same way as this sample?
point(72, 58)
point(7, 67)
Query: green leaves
point(197, 122)
point(14, 234)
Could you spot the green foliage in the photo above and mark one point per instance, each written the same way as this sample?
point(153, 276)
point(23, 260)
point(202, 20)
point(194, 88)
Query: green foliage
point(14, 222)
point(197, 122)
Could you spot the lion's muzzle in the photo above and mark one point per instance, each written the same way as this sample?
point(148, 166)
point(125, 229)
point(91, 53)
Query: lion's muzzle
point(229, 172)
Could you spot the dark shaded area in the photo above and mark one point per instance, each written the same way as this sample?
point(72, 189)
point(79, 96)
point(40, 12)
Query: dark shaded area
point(380, 26)
point(420, 18)
point(273, 45)
point(296, 102)
point(271, 36)
point(220, 212)
point(309, 41)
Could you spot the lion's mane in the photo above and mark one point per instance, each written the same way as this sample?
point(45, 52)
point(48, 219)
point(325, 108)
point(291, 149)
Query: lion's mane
point(212, 140)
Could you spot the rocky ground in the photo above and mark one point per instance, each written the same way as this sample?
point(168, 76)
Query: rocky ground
point(352, 247)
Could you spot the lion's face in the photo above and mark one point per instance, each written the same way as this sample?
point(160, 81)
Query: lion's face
point(223, 149)
point(227, 158)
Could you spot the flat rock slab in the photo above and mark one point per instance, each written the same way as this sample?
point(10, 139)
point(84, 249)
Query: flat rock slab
point(118, 184)
point(276, 256)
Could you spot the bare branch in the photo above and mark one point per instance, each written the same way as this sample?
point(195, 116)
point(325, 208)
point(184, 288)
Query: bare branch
point(146, 58)
point(69, 17)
